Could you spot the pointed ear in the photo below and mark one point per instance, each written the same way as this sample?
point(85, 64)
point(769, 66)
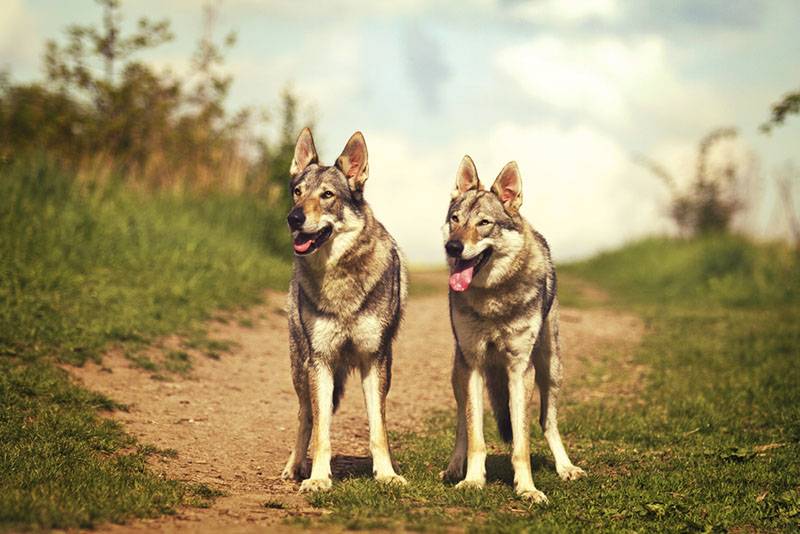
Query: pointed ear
point(508, 187)
point(305, 153)
point(353, 162)
point(466, 177)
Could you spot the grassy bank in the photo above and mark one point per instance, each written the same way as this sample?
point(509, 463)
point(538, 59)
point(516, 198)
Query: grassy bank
point(711, 443)
point(83, 268)
point(710, 272)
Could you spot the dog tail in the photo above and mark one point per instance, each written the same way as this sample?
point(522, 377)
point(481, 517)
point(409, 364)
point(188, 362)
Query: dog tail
point(339, 379)
point(497, 384)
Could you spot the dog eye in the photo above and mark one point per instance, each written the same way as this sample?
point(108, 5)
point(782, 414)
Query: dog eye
point(454, 218)
point(296, 191)
point(484, 222)
point(327, 194)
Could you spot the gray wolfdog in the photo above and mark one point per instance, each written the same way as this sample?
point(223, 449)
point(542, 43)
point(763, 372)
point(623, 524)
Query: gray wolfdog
point(346, 301)
point(504, 313)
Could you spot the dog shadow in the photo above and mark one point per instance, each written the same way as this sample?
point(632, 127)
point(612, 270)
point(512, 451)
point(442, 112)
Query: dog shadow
point(343, 466)
point(499, 468)
point(346, 466)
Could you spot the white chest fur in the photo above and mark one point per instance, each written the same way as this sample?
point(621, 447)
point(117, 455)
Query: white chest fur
point(329, 334)
point(484, 342)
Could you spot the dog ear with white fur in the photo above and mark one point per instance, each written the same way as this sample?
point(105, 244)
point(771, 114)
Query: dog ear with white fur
point(354, 164)
point(305, 153)
point(508, 187)
point(466, 177)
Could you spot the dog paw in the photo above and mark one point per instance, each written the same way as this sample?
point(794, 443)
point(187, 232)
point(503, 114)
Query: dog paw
point(311, 485)
point(471, 484)
point(571, 472)
point(392, 480)
point(292, 472)
point(534, 496)
point(451, 475)
point(454, 471)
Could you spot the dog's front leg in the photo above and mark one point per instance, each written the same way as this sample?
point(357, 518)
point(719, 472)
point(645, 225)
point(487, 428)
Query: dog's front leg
point(518, 395)
point(374, 383)
point(320, 379)
point(476, 446)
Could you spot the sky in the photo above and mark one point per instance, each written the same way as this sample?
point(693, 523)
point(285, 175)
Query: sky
point(571, 90)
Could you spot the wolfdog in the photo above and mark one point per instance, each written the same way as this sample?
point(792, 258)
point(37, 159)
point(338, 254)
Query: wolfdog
point(504, 314)
point(346, 301)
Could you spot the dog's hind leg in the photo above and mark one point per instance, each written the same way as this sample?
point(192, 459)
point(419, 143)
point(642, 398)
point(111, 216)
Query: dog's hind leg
point(547, 363)
point(320, 378)
point(496, 378)
point(375, 379)
point(455, 469)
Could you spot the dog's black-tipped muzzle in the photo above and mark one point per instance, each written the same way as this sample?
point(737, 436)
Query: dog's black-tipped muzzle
point(296, 218)
point(454, 248)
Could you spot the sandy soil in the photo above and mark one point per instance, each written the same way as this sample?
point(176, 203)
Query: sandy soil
point(232, 420)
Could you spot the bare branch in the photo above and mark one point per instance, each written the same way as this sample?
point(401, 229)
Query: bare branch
point(657, 169)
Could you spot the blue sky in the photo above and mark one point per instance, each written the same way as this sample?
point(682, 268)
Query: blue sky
point(569, 89)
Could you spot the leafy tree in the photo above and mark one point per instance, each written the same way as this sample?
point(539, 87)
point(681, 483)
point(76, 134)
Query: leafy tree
point(101, 106)
point(712, 198)
point(70, 65)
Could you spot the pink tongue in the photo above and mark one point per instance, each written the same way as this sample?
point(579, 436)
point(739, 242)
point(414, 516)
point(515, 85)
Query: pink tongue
point(460, 280)
point(302, 247)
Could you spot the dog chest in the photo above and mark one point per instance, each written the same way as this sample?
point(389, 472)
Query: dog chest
point(329, 334)
point(481, 341)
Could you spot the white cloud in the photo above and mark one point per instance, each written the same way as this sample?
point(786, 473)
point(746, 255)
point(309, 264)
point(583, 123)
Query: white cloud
point(331, 8)
point(619, 82)
point(409, 190)
point(580, 188)
point(19, 42)
point(558, 11)
point(317, 72)
point(334, 75)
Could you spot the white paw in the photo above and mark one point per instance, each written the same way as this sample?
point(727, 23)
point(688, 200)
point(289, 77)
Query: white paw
point(391, 479)
point(471, 484)
point(571, 472)
point(533, 495)
point(311, 485)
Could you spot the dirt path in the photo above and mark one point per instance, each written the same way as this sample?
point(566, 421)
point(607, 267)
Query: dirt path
point(232, 420)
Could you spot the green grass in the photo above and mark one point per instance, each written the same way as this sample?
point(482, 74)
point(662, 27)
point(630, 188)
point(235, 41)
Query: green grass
point(712, 445)
point(714, 271)
point(84, 268)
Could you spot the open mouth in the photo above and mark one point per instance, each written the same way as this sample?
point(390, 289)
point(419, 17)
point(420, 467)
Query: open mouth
point(463, 271)
point(305, 244)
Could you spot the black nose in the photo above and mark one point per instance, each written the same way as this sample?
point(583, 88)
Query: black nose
point(454, 248)
point(296, 218)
